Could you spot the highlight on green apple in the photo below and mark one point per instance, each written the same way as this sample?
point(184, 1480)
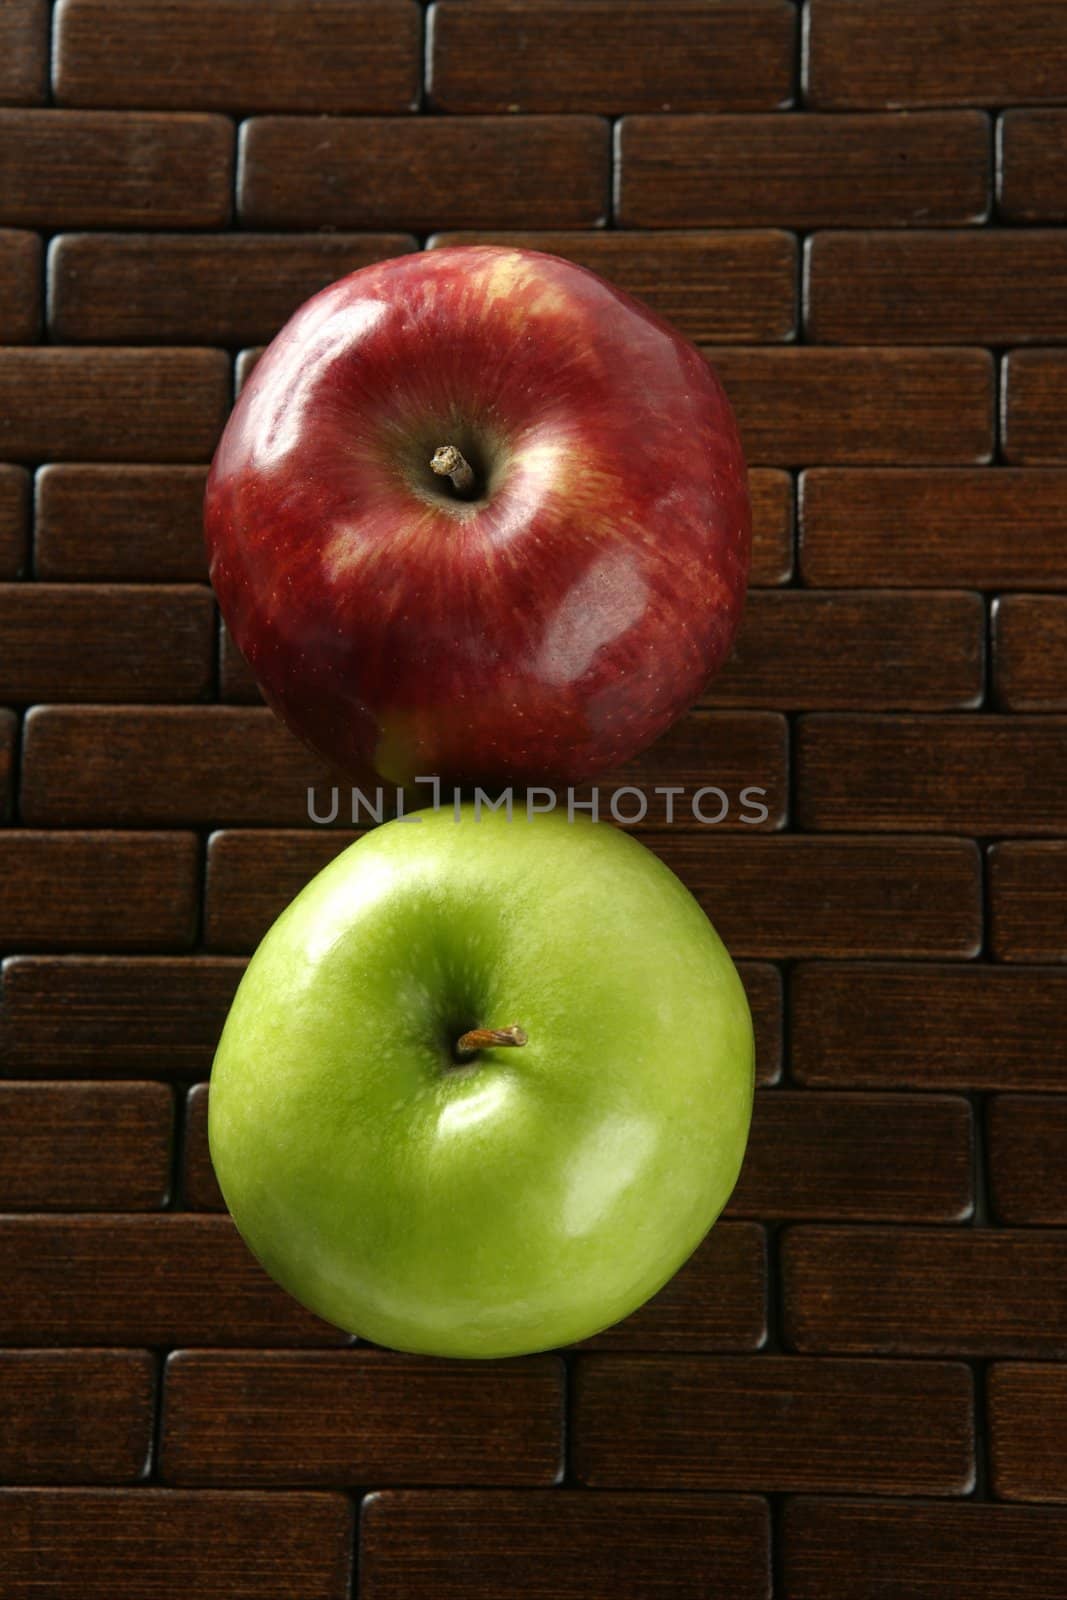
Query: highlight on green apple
point(485, 1084)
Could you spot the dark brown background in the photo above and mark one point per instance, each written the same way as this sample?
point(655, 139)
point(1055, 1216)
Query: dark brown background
point(852, 1390)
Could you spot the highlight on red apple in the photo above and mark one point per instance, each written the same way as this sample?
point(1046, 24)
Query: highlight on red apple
point(479, 514)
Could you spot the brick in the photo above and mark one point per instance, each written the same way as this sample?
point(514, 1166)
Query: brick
point(115, 169)
point(237, 686)
point(383, 173)
point(763, 987)
point(14, 520)
point(978, 775)
point(998, 286)
point(495, 55)
point(1028, 900)
point(858, 1158)
point(76, 1416)
point(98, 891)
point(108, 1544)
point(833, 896)
point(944, 1027)
point(105, 642)
point(781, 1423)
point(112, 1016)
point(1027, 1143)
point(244, 366)
point(84, 1146)
point(495, 1423)
point(223, 55)
point(929, 528)
point(135, 767)
point(9, 734)
point(128, 523)
point(932, 52)
point(24, 28)
point(200, 1187)
point(799, 650)
point(815, 406)
point(925, 1291)
point(1032, 166)
point(880, 1552)
point(806, 171)
point(21, 273)
point(1027, 1407)
point(771, 493)
point(163, 405)
point(1030, 652)
point(1033, 401)
point(548, 1545)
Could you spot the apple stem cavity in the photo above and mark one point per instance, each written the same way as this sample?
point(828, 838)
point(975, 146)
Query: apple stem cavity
point(489, 1038)
point(448, 462)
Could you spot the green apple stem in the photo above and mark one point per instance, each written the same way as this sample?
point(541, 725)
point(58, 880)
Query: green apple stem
point(448, 462)
point(489, 1038)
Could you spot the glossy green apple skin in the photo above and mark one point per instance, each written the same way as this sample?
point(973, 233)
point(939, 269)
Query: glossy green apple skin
point(537, 1194)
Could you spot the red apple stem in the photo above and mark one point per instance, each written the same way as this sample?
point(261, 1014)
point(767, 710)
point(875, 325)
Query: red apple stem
point(448, 462)
point(489, 1038)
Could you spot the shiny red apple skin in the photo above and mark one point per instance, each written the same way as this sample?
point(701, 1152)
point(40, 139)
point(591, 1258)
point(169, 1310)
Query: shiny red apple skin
point(542, 632)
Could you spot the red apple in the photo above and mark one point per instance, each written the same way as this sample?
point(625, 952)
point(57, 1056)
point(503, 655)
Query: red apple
point(541, 622)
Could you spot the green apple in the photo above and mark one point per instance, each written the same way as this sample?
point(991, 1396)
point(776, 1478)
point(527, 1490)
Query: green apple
point(501, 1196)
